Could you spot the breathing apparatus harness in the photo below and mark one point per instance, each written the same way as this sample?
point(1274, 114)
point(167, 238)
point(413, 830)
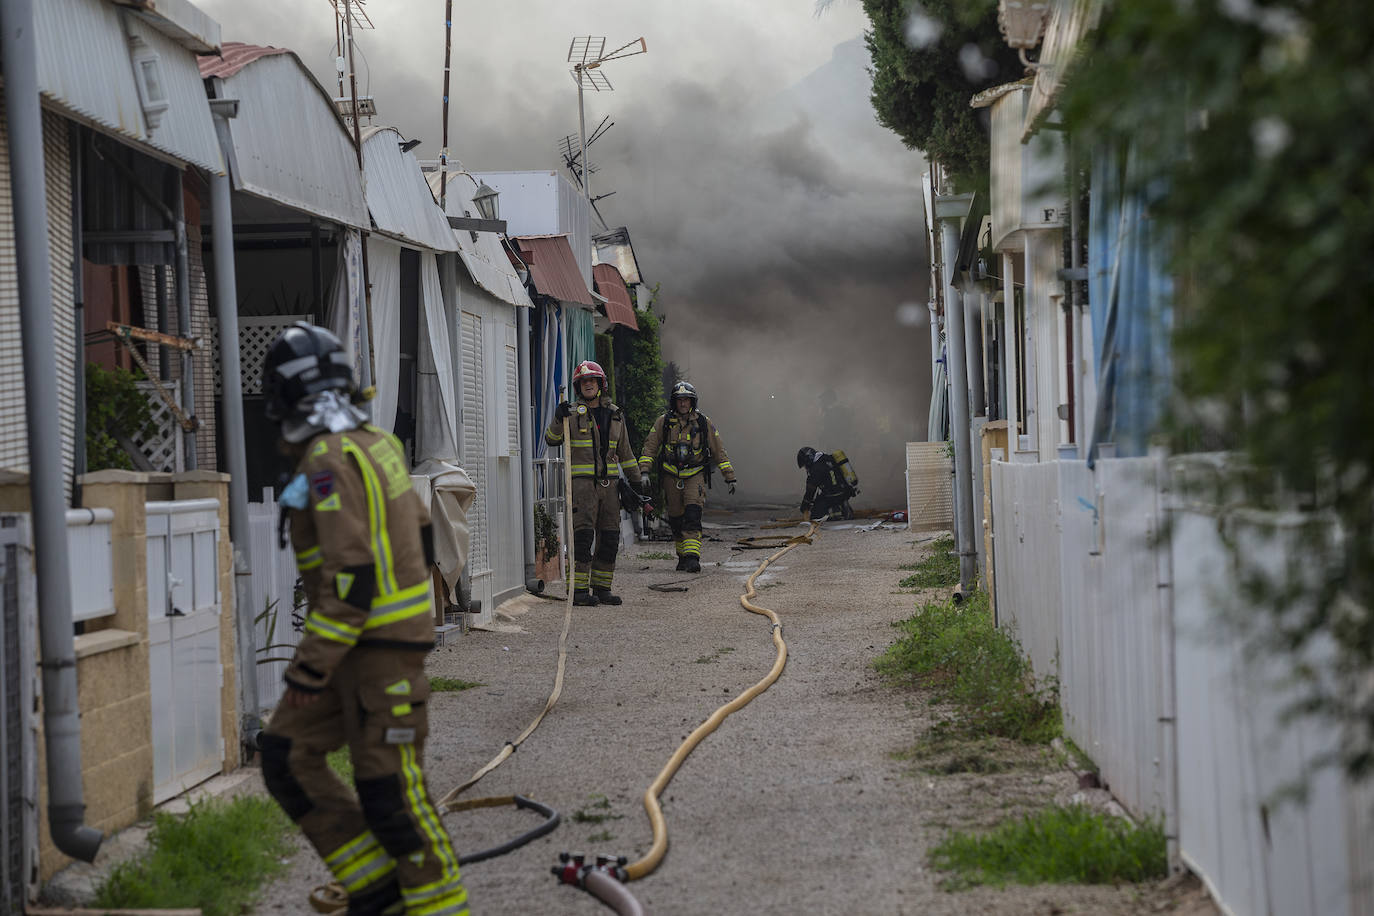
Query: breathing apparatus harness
point(682, 453)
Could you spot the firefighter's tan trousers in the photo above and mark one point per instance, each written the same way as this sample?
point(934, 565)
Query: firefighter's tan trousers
point(596, 532)
point(390, 834)
point(683, 507)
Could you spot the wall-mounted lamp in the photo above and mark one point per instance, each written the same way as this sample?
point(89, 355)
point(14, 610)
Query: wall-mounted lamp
point(152, 88)
point(1023, 24)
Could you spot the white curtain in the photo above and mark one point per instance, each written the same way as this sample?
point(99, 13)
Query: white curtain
point(448, 493)
point(437, 435)
point(344, 315)
point(384, 267)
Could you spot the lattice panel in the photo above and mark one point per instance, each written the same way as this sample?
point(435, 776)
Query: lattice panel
point(929, 472)
point(163, 448)
point(255, 338)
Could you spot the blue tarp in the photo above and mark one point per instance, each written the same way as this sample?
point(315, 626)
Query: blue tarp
point(1130, 294)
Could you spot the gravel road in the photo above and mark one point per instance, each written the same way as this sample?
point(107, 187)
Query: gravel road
point(804, 801)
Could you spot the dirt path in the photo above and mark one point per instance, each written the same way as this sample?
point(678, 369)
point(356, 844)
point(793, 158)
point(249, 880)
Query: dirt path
point(802, 802)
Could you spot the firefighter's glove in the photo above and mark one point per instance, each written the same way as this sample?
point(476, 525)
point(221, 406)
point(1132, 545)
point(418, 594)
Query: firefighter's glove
point(732, 486)
point(564, 410)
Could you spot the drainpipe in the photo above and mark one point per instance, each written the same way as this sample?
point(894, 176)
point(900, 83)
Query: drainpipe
point(532, 582)
point(231, 424)
point(959, 404)
point(79, 307)
point(183, 278)
point(61, 722)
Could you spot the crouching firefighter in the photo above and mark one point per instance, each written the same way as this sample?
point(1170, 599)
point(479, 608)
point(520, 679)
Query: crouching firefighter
point(363, 548)
point(598, 450)
point(830, 483)
point(680, 451)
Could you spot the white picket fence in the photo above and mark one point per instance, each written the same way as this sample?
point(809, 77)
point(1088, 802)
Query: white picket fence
point(279, 619)
point(1117, 588)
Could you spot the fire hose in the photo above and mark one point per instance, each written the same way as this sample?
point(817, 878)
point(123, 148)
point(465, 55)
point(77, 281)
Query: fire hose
point(594, 878)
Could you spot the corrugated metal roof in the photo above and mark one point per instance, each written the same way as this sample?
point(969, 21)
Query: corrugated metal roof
point(553, 267)
point(398, 195)
point(289, 144)
point(84, 69)
point(609, 283)
point(1070, 21)
point(484, 258)
point(233, 57)
point(180, 21)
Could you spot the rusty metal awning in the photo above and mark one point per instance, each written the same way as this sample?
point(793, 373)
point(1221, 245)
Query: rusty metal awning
point(553, 268)
point(609, 283)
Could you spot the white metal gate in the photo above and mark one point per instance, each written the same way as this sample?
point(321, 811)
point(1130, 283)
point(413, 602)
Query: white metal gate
point(185, 674)
point(475, 449)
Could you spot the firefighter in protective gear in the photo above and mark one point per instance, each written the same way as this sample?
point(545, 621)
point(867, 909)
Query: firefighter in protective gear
point(680, 451)
point(598, 450)
point(363, 549)
point(827, 490)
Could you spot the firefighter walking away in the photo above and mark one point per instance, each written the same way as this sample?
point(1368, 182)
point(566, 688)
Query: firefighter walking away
point(680, 452)
point(363, 549)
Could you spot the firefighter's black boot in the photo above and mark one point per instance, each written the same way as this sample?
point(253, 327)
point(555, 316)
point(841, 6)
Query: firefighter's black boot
point(381, 902)
point(584, 598)
point(681, 562)
point(692, 564)
point(604, 596)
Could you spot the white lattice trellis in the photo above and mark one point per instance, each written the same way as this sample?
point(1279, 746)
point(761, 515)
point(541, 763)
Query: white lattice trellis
point(255, 337)
point(163, 448)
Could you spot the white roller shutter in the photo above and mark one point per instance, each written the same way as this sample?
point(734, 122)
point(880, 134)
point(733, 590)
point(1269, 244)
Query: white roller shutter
point(475, 439)
point(512, 396)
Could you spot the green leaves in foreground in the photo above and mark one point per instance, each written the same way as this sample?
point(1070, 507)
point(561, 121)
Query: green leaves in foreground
point(1061, 845)
point(215, 857)
point(956, 651)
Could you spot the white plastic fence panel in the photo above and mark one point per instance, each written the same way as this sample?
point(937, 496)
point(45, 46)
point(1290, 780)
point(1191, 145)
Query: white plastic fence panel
point(91, 566)
point(278, 622)
point(1026, 546)
point(185, 674)
point(1257, 851)
point(475, 449)
point(1113, 663)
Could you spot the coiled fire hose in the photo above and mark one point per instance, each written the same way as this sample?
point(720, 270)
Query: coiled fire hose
point(592, 877)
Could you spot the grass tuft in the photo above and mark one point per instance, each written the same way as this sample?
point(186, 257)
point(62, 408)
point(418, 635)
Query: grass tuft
point(939, 569)
point(215, 857)
point(1060, 845)
point(956, 651)
point(656, 555)
point(596, 811)
point(451, 684)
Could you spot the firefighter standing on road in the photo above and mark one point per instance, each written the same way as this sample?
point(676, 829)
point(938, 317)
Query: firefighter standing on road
point(363, 548)
point(598, 451)
point(681, 448)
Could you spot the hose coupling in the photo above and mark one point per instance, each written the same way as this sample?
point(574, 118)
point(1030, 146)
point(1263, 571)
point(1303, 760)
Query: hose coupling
point(573, 868)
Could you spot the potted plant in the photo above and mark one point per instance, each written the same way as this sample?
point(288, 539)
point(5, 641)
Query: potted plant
point(547, 547)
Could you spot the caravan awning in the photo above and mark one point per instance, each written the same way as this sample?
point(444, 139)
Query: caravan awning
point(609, 283)
point(289, 145)
point(553, 267)
point(481, 252)
point(401, 202)
point(1070, 22)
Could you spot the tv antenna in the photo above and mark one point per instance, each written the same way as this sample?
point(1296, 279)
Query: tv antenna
point(587, 54)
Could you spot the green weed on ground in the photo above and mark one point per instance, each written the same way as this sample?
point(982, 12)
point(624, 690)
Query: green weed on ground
point(939, 569)
point(656, 555)
point(215, 857)
point(956, 651)
point(451, 684)
point(1060, 845)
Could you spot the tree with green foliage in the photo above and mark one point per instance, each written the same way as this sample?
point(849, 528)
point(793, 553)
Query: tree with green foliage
point(115, 408)
point(1255, 117)
point(929, 59)
point(641, 375)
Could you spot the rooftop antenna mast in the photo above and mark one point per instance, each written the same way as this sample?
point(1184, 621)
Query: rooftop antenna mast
point(587, 53)
point(443, 142)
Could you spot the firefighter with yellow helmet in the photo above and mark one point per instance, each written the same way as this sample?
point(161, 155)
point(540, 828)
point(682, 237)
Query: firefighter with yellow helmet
point(598, 450)
point(681, 449)
point(364, 548)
